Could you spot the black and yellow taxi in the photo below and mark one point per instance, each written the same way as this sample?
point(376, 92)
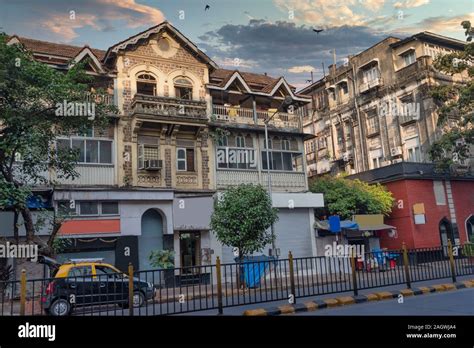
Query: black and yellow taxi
point(88, 282)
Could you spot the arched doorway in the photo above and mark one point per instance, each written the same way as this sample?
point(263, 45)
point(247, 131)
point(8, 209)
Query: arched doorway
point(151, 237)
point(470, 229)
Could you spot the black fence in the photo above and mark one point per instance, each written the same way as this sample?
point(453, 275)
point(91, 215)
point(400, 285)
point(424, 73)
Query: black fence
point(215, 287)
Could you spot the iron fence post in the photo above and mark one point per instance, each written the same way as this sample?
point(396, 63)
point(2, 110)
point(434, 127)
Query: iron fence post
point(292, 277)
point(219, 285)
point(451, 260)
point(22, 291)
point(406, 264)
point(130, 289)
point(354, 274)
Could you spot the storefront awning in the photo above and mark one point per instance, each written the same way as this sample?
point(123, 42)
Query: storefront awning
point(377, 227)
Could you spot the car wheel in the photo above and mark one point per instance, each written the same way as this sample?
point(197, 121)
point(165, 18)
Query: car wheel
point(138, 299)
point(59, 308)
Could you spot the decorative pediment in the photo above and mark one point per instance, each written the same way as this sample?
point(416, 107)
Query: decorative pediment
point(169, 32)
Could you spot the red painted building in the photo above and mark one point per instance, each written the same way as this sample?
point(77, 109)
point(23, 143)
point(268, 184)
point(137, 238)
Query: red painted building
point(442, 204)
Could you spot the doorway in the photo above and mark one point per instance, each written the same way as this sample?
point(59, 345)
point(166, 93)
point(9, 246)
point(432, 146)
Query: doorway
point(190, 250)
point(151, 238)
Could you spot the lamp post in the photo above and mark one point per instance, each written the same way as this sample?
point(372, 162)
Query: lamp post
point(288, 101)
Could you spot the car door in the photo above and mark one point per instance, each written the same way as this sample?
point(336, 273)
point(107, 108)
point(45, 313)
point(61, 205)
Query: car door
point(108, 280)
point(80, 284)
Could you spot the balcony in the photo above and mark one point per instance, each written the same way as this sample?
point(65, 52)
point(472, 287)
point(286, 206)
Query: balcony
point(92, 175)
point(413, 71)
point(169, 108)
point(233, 114)
point(281, 181)
point(366, 86)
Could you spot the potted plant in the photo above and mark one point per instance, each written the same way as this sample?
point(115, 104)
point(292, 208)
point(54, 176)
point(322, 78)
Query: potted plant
point(164, 260)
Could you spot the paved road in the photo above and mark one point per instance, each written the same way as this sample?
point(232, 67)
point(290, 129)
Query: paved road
point(457, 302)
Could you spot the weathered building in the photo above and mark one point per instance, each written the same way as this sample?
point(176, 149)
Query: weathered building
point(148, 180)
point(376, 111)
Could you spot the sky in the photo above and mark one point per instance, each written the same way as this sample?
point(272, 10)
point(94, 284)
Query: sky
point(272, 36)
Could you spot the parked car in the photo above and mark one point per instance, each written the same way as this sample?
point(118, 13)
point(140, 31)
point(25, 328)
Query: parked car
point(86, 282)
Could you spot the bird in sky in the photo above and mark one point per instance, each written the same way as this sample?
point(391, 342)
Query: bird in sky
point(317, 31)
point(207, 7)
point(308, 81)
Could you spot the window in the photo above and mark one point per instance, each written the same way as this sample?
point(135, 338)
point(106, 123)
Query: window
point(185, 159)
point(370, 74)
point(66, 208)
point(322, 143)
point(89, 208)
point(414, 154)
point(284, 159)
point(413, 150)
point(146, 84)
point(343, 88)
point(147, 152)
point(88, 150)
point(110, 208)
point(409, 57)
point(375, 158)
point(183, 88)
point(223, 141)
point(372, 122)
point(83, 271)
point(239, 141)
point(340, 135)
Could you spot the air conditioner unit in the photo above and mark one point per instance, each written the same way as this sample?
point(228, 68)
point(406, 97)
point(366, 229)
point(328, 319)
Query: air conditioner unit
point(397, 160)
point(153, 164)
point(396, 151)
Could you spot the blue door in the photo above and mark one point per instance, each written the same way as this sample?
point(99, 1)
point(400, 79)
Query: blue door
point(151, 238)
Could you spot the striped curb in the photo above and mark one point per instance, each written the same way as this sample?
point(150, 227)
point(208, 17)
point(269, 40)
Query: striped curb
point(348, 300)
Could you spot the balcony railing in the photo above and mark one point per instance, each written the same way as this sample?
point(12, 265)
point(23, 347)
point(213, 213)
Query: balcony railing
point(281, 181)
point(107, 99)
point(366, 86)
point(169, 107)
point(240, 115)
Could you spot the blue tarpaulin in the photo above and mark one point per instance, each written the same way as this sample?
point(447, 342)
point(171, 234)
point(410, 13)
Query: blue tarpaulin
point(254, 268)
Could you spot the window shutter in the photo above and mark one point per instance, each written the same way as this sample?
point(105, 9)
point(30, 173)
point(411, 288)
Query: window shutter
point(190, 159)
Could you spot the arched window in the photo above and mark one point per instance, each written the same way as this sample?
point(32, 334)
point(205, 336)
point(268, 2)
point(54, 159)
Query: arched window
point(470, 229)
point(146, 84)
point(183, 88)
point(285, 144)
point(239, 141)
point(223, 141)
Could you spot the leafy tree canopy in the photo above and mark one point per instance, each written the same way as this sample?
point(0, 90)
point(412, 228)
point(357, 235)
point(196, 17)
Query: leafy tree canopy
point(242, 217)
point(346, 197)
point(455, 106)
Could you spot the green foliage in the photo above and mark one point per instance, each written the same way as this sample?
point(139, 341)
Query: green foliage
point(468, 249)
point(348, 197)
point(162, 259)
point(29, 94)
point(455, 104)
point(242, 217)
point(60, 244)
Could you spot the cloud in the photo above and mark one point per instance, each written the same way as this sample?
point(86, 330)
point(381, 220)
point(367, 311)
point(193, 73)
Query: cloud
point(276, 47)
point(301, 69)
point(61, 20)
point(440, 24)
point(411, 3)
point(330, 13)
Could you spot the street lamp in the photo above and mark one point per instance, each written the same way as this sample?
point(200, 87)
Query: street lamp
point(285, 103)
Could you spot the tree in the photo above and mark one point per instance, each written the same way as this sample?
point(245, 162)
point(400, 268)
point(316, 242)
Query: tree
point(242, 217)
point(455, 106)
point(346, 197)
point(31, 96)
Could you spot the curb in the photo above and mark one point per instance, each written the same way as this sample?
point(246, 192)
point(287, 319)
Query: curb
point(349, 300)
